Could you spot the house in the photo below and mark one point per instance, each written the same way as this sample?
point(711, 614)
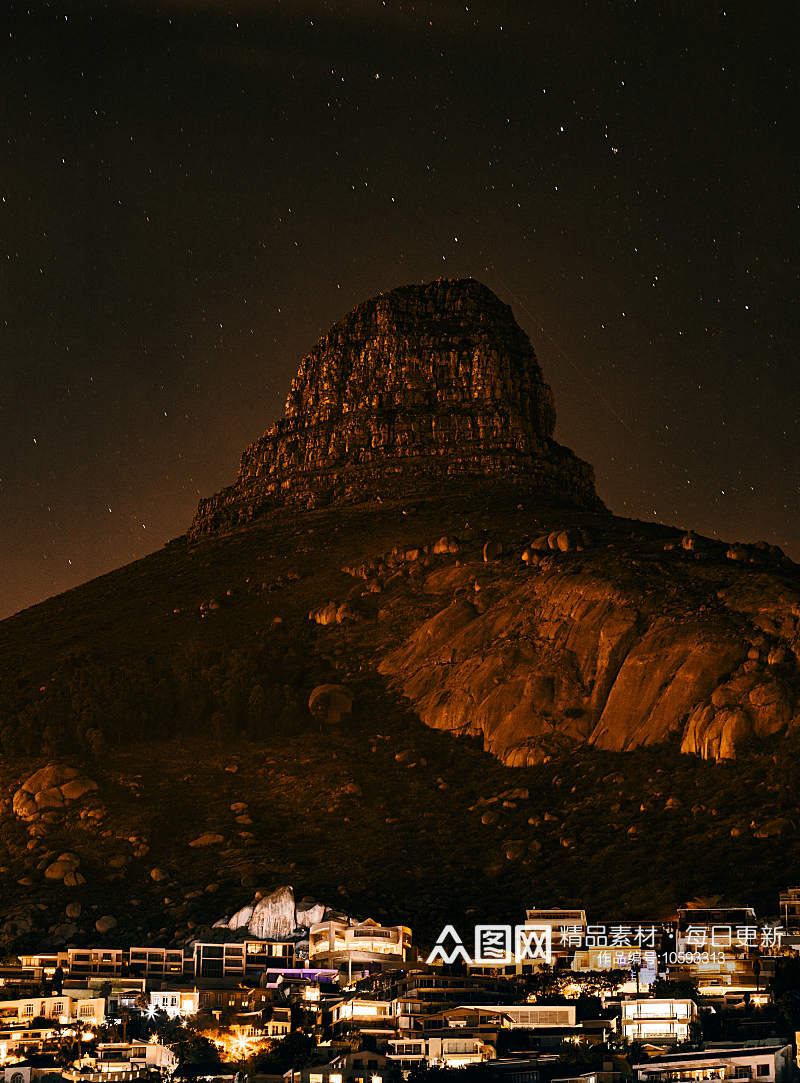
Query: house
point(458, 1052)
point(224, 999)
point(62, 1008)
point(370, 1016)
point(16, 1073)
point(472, 1018)
point(361, 1067)
point(533, 1015)
point(113, 1062)
point(567, 931)
point(408, 1052)
point(247, 959)
point(658, 1021)
point(24, 1041)
point(732, 971)
point(418, 991)
point(280, 1023)
point(79, 962)
point(764, 1062)
point(155, 962)
point(353, 946)
point(175, 1002)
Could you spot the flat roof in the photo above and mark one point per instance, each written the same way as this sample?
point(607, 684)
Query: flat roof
point(717, 1053)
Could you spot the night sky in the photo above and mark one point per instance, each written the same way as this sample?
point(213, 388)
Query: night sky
point(193, 191)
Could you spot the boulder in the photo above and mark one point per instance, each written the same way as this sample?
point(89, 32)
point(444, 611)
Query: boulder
point(49, 790)
point(773, 828)
point(308, 913)
point(771, 707)
point(208, 838)
point(241, 919)
point(714, 733)
point(58, 869)
point(273, 916)
point(694, 542)
point(738, 552)
point(779, 656)
point(77, 788)
point(568, 540)
point(53, 774)
point(325, 614)
point(52, 798)
point(65, 931)
point(330, 702)
point(105, 924)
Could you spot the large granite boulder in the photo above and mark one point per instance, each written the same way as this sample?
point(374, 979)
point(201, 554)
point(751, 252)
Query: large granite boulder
point(55, 786)
point(275, 915)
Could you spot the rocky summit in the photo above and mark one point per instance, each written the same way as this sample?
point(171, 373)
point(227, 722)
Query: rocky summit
point(416, 387)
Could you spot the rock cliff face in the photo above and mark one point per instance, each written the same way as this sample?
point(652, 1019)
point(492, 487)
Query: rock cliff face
point(609, 648)
point(412, 388)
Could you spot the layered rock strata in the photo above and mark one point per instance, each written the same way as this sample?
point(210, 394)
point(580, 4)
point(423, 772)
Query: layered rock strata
point(416, 387)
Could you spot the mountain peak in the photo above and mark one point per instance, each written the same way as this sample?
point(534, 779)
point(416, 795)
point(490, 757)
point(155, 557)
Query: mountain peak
point(414, 388)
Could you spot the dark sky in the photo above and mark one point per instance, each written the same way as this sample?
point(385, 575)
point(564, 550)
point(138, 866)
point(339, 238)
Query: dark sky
point(193, 191)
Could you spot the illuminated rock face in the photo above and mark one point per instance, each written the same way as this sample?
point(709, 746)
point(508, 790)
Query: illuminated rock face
point(609, 650)
point(413, 388)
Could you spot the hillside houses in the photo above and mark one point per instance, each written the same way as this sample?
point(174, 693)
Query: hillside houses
point(362, 1005)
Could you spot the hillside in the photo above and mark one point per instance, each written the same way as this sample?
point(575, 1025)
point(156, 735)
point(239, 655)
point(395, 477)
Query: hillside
point(145, 680)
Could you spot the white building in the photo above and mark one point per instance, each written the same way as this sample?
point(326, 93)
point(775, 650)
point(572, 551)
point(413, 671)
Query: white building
point(175, 1002)
point(567, 931)
point(337, 944)
point(279, 1024)
point(455, 1052)
point(458, 1052)
point(62, 1008)
point(115, 1062)
point(658, 1020)
point(764, 1062)
point(370, 1016)
point(529, 1015)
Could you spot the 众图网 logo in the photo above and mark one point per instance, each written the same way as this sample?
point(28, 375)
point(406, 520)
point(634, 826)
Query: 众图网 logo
point(495, 945)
